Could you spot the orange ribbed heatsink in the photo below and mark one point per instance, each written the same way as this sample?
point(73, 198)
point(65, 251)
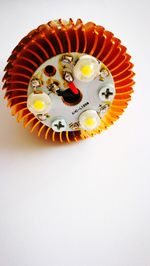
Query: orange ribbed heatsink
point(61, 37)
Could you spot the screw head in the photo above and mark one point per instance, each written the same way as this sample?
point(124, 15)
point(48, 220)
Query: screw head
point(59, 125)
point(107, 93)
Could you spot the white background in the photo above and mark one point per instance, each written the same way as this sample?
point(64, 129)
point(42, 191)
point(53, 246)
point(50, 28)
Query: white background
point(85, 204)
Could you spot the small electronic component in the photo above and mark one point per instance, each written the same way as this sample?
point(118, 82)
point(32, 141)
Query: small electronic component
point(39, 103)
point(89, 120)
point(68, 77)
point(69, 81)
point(87, 68)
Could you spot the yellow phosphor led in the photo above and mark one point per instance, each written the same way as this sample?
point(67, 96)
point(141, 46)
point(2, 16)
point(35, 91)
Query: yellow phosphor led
point(39, 103)
point(87, 68)
point(89, 120)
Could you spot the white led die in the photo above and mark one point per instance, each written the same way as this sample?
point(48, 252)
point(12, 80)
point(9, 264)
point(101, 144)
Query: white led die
point(87, 68)
point(39, 103)
point(89, 120)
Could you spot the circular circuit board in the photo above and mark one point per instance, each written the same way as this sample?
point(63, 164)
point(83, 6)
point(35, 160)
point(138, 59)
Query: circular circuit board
point(74, 83)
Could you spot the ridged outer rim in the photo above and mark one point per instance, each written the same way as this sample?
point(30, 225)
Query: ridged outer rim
point(58, 37)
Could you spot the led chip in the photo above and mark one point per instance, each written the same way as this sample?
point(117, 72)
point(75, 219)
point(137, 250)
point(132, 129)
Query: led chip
point(39, 103)
point(89, 120)
point(87, 68)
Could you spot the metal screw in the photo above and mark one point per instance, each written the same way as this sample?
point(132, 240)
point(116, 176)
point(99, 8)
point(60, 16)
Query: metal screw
point(59, 125)
point(107, 93)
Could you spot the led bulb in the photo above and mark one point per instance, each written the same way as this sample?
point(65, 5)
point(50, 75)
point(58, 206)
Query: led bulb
point(39, 103)
point(89, 120)
point(87, 68)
